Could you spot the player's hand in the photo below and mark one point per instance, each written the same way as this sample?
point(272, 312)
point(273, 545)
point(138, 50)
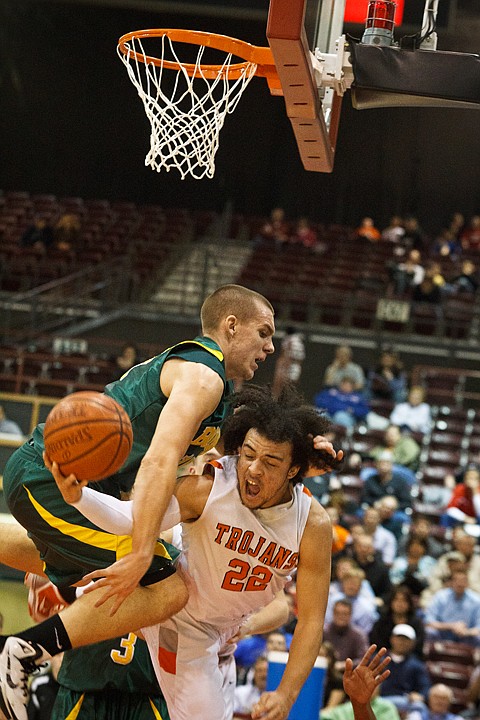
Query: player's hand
point(320, 442)
point(69, 486)
point(119, 580)
point(359, 683)
point(271, 706)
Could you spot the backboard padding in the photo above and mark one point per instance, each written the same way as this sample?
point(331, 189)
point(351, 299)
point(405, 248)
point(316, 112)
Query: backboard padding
point(288, 41)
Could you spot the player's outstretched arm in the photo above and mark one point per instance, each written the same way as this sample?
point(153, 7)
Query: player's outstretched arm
point(359, 683)
point(269, 618)
point(193, 393)
point(313, 579)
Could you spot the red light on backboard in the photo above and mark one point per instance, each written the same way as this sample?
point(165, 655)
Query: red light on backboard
point(356, 11)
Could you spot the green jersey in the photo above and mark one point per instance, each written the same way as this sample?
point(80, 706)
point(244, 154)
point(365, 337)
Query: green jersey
point(111, 680)
point(139, 393)
point(120, 664)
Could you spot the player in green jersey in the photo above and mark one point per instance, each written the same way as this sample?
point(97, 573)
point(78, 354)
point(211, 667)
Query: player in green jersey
point(177, 403)
point(111, 680)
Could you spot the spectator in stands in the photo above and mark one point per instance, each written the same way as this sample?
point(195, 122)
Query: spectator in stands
point(466, 544)
point(380, 709)
point(470, 237)
point(342, 367)
point(407, 274)
point(39, 235)
point(387, 508)
point(342, 567)
point(9, 427)
point(414, 568)
point(247, 695)
point(288, 367)
point(348, 641)
point(462, 557)
point(422, 528)
point(441, 576)
point(464, 505)
point(343, 404)
point(304, 234)
point(440, 699)
point(405, 450)
point(434, 269)
point(249, 648)
point(400, 471)
point(364, 610)
point(457, 224)
point(467, 281)
point(370, 560)
point(414, 237)
point(341, 536)
point(275, 231)
point(333, 693)
point(409, 683)
point(414, 414)
point(453, 613)
point(385, 480)
point(368, 231)
point(446, 245)
point(387, 380)
point(66, 233)
point(399, 609)
point(127, 358)
point(395, 231)
point(429, 289)
point(383, 540)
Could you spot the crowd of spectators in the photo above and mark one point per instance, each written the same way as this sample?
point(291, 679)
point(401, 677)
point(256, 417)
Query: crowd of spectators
point(395, 581)
point(428, 270)
point(399, 579)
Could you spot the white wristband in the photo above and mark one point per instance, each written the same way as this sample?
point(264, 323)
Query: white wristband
point(113, 515)
point(116, 516)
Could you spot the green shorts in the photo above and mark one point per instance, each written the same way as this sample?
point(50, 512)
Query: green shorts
point(68, 543)
point(107, 705)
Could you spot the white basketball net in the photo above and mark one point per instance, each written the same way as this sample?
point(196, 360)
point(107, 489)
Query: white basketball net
point(185, 125)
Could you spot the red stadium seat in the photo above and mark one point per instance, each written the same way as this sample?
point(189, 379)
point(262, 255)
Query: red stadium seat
point(451, 673)
point(450, 651)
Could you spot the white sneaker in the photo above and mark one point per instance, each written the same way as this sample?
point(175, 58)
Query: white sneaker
point(18, 659)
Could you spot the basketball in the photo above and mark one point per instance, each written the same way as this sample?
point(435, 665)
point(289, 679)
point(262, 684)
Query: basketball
point(88, 434)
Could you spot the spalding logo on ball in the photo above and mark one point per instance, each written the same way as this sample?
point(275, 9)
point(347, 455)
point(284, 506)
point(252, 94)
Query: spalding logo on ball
point(88, 434)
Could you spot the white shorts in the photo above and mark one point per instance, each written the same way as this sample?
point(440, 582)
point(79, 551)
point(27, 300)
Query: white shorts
point(195, 668)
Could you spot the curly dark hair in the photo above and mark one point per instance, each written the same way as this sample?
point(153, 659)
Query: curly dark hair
point(287, 418)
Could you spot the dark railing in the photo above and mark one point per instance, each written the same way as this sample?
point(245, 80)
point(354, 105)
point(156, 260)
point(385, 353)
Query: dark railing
point(86, 293)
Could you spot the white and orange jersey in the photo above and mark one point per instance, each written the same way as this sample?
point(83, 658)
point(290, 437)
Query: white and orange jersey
point(235, 560)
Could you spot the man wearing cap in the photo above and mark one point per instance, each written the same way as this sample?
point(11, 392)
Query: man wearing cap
point(409, 682)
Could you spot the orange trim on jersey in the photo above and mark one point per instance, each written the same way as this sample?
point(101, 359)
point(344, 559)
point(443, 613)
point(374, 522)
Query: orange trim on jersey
point(167, 661)
point(307, 491)
point(211, 464)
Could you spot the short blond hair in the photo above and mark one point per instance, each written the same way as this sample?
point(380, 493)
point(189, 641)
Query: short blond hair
point(230, 300)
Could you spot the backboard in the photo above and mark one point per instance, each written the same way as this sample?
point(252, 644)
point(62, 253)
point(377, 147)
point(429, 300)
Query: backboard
point(295, 29)
point(316, 66)
point(307, 61)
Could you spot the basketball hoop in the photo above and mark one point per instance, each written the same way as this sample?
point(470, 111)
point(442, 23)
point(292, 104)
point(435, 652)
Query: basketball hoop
point(187, 105)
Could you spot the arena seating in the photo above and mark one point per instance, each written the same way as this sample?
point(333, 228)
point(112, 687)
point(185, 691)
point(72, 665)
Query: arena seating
point(343, 282)
point(144, 235)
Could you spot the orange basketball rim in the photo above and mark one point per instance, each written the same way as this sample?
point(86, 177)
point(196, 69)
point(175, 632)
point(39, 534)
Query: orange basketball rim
point(262, 57)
